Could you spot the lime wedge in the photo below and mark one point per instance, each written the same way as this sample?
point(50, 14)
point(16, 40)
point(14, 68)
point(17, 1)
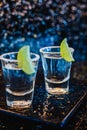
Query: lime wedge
point(24, 60)
point(65, 51)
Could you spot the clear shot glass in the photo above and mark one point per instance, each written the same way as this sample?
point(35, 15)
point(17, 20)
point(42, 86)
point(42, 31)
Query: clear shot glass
point(56, 70)
point(19, 85)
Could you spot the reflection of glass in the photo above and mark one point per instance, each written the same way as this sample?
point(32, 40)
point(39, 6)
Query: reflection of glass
point(56, 70)
point(19, 85)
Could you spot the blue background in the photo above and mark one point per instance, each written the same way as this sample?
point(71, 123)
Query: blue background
point(40, 23)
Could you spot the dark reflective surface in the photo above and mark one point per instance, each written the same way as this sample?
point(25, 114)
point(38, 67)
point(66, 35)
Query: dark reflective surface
point(52, 109)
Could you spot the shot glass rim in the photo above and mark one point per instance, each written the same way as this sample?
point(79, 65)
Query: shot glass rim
point(13, 60)
point(44, 52)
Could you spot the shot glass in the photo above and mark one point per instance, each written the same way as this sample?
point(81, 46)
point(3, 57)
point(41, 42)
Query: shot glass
point(19, 85)
point(56, 70)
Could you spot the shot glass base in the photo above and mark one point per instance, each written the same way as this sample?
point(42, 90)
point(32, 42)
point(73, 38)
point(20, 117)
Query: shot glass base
point(18, 104)
point(57, 91)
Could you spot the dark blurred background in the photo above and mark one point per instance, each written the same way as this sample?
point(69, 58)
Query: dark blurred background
point(40, 23)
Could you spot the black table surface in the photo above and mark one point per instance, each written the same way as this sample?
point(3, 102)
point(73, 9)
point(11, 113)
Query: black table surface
point(47, 111)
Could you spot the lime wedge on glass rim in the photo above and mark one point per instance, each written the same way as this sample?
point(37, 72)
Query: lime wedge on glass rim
point(24, 60)
point(65, 51)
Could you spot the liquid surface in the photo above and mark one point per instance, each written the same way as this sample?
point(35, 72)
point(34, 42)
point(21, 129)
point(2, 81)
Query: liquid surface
point(57, 87)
